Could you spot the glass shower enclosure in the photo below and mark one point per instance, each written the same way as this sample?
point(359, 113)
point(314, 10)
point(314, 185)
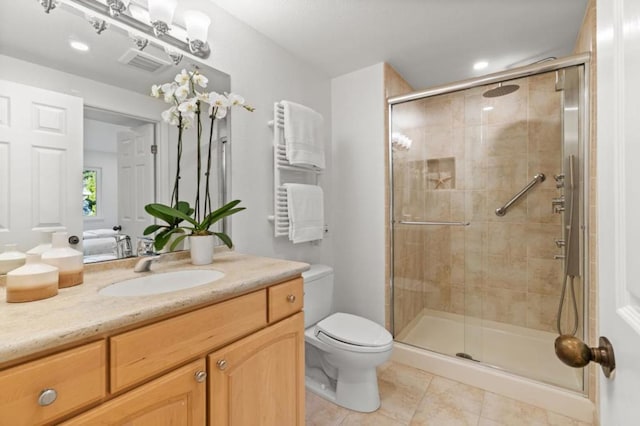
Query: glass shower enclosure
point(488, 220)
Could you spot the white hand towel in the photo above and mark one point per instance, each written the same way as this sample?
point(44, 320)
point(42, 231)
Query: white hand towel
point(98, 233)
point(305, 204)
point(303, 135)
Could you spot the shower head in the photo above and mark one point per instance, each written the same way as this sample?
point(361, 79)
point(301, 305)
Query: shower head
point(500, 90)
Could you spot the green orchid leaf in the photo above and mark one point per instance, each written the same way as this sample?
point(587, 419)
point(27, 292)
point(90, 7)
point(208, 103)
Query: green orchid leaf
point(177, 241)
point(153, 211)
point(152, 228)
point(225, 238)
point(171, 212)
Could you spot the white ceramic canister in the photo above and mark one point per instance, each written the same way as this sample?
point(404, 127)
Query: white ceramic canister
point(34, 280)
point(45, 243)
point(11, 258)
point(68, 261)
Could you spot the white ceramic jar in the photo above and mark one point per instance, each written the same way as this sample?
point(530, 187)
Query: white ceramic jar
point(45, 243)
point(34, 280)
point(11, 258)
point(68, 261)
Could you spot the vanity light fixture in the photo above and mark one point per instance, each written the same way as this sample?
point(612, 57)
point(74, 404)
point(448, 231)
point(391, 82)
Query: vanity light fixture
point(147, 24)
point(140, 42)
point(48, 5)
point(176, 57)
point(98, 24)
point(161, 15)
point(400, 141)
point(197, 30)
point(480, 65)
point(116, 7)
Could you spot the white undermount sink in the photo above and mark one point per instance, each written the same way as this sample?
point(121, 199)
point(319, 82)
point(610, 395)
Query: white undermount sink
point(165, 282)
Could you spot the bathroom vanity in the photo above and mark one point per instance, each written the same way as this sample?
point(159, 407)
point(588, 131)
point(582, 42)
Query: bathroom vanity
point(226, 353)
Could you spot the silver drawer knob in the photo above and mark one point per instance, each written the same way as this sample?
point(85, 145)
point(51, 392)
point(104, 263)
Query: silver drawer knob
point(222, 364)
point(291, 298)
point(201, 376)
point(47, 397)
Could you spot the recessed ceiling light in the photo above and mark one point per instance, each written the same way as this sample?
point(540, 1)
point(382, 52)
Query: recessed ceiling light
point(480, 65)
point(78, 45)
point(487, 108)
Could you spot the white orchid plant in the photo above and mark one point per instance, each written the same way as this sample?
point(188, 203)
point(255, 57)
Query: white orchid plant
point(189, 99)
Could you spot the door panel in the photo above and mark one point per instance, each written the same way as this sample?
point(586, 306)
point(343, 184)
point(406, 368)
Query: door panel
point(40, 163)
point(619, 205)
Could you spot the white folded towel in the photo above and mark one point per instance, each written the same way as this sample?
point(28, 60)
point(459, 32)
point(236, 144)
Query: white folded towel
point(303, 135)
point(305, 204)
point(98, 233)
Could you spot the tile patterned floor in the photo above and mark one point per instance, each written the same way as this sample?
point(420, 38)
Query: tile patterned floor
point(412, 397)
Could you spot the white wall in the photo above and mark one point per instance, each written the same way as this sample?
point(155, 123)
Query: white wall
point(264, 73)
point(100, 151)
point(359, 221)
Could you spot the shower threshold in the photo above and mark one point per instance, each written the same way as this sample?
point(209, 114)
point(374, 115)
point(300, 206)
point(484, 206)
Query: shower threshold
point(519, 350)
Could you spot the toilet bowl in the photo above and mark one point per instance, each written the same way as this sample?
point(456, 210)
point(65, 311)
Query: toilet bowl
point(342, 350)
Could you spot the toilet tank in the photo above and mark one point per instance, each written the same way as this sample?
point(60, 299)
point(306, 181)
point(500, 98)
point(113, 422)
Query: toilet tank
point(318, 294)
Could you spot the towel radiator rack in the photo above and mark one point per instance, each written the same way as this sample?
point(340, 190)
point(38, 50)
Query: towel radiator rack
point(501, 211)
point(281, 166)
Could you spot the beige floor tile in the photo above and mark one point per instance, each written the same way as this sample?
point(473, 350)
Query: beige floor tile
point(433, 412)
point(320, 412)
point(511, 412)
point(487, 422)
point(554, 419)
point(370, 419)
point(401, 389)
point(455, 394)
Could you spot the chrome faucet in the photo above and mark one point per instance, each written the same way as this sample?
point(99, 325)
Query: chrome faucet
point(144, 264)
point(147, 255)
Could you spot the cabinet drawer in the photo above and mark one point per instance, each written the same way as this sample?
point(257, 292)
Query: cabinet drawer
point(77, 376)
point(285, 299)
point(147, 351)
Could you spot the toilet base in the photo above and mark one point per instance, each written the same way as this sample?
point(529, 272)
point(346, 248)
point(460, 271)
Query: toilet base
point(357, 391)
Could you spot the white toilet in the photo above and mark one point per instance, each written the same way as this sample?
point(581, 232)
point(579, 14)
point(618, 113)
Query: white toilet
point(342, 350)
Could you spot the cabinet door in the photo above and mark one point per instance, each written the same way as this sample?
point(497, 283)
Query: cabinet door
point(177, 398)
point(259, 380)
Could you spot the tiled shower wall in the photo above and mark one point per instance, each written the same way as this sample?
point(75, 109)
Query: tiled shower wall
point(470, 155)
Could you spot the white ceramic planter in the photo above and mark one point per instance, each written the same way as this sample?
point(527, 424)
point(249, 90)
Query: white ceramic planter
point(201, 249)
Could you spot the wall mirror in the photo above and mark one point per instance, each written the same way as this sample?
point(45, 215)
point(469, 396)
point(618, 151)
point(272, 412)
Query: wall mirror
point(82, 144)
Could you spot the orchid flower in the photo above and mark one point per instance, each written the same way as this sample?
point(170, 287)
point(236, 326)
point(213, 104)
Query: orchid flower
point(200, 80)
point(183, 78)
point(156, 91)
point(182, 92)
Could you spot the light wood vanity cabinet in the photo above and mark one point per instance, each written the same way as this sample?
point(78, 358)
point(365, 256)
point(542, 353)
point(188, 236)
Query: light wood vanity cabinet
point(41, 391)
point(238, 362)
point(259, 380)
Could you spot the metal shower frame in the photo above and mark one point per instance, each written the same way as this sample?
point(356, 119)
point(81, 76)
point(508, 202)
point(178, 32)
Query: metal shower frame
point(500, 77)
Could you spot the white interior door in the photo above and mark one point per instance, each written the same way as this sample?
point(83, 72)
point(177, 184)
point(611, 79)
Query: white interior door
point(40, 163)
point(135, 179)
point(619, 205)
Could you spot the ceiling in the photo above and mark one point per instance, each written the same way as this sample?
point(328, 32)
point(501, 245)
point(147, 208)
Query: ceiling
point(429, 42)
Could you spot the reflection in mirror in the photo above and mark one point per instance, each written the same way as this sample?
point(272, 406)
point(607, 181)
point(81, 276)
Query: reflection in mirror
point(65, 111)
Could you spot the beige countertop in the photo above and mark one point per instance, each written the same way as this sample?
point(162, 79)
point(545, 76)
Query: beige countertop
point(79, 312)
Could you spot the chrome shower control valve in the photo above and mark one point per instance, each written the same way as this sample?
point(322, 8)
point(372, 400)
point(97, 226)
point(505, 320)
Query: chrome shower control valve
point(557, 204)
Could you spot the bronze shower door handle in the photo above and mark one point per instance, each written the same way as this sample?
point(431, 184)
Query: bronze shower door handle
point(575, 353)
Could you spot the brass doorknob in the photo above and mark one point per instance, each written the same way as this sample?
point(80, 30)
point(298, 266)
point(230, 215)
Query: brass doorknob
point(575, 353)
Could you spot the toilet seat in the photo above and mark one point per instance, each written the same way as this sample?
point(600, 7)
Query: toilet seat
point(353, 333)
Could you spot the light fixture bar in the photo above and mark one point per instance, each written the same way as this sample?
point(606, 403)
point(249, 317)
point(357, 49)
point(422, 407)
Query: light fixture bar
point(103, 9)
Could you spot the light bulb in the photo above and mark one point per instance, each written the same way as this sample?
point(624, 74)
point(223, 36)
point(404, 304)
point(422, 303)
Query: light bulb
point(197, 25)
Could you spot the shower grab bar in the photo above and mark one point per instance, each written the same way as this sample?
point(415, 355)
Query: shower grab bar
point(402, 222)
point(501, 211)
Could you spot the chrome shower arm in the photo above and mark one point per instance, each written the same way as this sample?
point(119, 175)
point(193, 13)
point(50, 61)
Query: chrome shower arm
point(501, 211)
